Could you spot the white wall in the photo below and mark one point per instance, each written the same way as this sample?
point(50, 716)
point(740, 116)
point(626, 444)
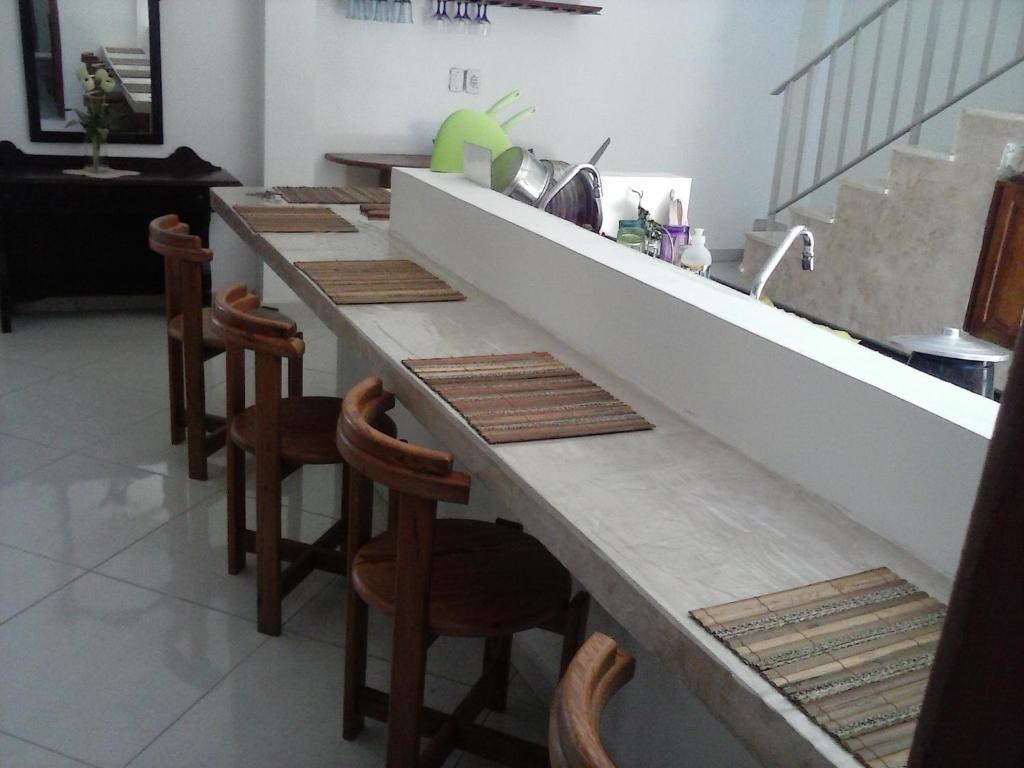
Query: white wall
point(681, 86)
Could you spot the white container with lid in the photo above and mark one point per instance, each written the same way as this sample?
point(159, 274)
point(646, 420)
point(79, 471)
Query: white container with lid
point(696, 257)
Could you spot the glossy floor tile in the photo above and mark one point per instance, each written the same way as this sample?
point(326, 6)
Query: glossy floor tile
point(81, 510)
point(100, 668)
point(16, 753)
point(122, 638)
point(28, 578)
point(187, 558)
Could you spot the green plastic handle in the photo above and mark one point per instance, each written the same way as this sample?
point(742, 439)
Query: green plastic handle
point(504, 101)
point(517, 117)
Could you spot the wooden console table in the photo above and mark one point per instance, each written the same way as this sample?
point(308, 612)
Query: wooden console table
point(73, 236)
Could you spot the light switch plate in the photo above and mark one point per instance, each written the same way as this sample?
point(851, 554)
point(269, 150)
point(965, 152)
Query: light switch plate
point(473, 81)
point(456, 80)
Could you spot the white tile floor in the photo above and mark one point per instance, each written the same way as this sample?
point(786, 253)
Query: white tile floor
point(123, 641)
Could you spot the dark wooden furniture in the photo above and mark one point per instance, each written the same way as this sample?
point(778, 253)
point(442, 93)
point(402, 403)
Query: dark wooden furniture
point(599, 669)
point(30, 37)
point(437, 577)
point(192, 339)
point(384, 163)
point(44, 213)
point(284, 434)
point(996, 309)
point(974, 706)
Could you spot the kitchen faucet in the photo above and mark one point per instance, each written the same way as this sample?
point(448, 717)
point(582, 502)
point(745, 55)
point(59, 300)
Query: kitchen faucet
point(807, 260)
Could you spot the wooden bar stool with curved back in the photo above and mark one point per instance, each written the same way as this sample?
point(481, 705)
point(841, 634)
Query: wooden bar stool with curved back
point(192, 339)
point(596, 673)
point(284, 433)
point(436, 577)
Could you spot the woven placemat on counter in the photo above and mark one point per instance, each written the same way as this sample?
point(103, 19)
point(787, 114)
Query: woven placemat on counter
point(531, 396)
point(280, 218)
point(853, 653)
point(335, 195)
point(389, 281)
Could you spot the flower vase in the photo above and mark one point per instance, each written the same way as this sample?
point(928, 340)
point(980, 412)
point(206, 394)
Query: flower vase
point(97, 158)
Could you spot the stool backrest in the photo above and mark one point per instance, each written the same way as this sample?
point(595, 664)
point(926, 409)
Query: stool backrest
point(598, 670)
point(401, 466)
point(184, 257)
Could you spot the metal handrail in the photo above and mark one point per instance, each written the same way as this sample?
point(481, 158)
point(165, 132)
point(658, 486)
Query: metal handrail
point(921, 114)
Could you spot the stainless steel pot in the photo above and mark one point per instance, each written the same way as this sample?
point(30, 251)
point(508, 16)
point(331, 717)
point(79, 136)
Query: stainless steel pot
point(520, 175)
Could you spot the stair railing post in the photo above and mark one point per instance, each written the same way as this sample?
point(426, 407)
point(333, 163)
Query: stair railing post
point(925, 75)
point(780, 154)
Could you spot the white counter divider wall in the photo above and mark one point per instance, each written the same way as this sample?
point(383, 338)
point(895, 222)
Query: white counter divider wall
point(899, 451)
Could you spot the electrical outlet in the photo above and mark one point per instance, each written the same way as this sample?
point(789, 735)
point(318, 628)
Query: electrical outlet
point(473, 81)
point(456, 80)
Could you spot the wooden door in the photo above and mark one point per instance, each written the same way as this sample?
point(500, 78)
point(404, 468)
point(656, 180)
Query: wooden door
point(996, 309)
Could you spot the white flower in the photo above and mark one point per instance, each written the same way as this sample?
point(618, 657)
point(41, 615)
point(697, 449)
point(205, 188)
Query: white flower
point(83, 71)
point(108, 85)
point(101, 74)
point(89, 84)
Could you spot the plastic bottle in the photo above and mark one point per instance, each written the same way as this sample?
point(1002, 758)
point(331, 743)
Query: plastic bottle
point(696, 257)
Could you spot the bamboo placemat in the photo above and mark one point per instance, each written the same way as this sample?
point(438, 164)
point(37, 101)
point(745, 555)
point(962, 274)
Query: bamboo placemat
point(853, 653)
point(335, 195)
point(376, 210)
point(279, 218)
point(532, 396)
point(391, 281)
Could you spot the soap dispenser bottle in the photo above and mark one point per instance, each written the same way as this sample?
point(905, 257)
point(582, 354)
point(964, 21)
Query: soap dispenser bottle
point(696, 257)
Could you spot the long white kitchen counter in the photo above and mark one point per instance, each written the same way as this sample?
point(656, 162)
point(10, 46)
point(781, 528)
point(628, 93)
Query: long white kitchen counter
point(654, 524)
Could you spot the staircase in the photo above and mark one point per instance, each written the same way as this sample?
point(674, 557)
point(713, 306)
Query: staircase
point(895, 255)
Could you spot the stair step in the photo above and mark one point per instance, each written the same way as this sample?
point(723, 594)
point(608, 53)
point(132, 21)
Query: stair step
point(909, 165)
point(809, 216)
point(983, 133)
point(859, 201)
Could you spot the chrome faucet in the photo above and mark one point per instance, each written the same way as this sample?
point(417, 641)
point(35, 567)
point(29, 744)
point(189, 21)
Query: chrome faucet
point(807, 260)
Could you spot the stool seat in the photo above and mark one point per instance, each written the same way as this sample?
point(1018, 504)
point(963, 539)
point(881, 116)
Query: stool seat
point(211, 336)
point(307, 430)
point(487, 579)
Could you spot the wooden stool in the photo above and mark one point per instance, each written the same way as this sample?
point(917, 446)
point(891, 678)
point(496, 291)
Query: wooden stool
point(284, 434)
point(437, 577)
point(597, 672)
point(191, 340)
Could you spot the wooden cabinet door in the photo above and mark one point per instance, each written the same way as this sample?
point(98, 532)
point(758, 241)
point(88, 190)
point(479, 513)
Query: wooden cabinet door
point(996, 309)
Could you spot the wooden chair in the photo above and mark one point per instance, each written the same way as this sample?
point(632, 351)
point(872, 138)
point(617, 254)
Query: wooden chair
point(597, 672)
point(437, 577)
point(284, 434)
point(192, 339)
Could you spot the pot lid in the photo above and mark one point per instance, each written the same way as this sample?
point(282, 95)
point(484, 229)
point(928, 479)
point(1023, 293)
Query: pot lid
point(954, 343)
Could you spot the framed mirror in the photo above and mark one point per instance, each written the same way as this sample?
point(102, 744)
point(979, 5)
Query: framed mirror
point(65, 41)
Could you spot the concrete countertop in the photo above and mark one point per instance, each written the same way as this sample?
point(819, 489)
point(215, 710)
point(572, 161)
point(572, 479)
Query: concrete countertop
point(654, 524)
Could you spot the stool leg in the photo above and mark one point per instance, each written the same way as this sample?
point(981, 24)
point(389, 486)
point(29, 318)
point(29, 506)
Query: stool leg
point(575, 628)
point(176, 389)
point(360, 510)
point(234, 403)
point(409, 654)
point(268, 493)
point(498, 651)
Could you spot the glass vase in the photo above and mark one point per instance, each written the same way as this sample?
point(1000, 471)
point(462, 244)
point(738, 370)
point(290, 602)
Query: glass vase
point(96, 154)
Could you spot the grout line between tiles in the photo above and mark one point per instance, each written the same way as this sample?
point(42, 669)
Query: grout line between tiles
point(48, 594)
point(49, 749)
point(195, 703)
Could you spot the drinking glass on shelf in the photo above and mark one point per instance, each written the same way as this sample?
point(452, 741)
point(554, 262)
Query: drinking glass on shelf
point(460, 24)
point(441, 17)
point(382, 10)
point(481, 24)
point(403, 12)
